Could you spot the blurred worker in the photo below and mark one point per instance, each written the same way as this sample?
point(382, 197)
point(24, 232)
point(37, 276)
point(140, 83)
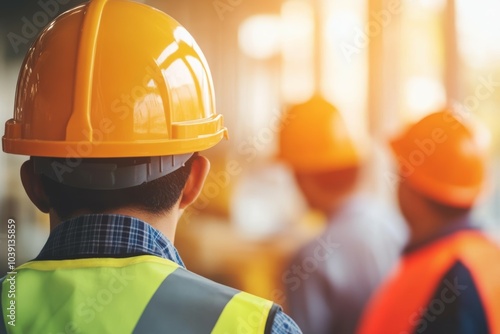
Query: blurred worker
point(331, 278)
point(449, 278)
point(114, 99)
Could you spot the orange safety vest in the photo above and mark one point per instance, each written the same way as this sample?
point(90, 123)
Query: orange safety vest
point(399, 307)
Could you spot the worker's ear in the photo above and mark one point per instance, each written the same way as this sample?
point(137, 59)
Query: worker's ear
point(195, 181)
point(33, 186)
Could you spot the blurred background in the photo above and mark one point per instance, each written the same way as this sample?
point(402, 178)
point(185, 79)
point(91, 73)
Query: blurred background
point(383, 63)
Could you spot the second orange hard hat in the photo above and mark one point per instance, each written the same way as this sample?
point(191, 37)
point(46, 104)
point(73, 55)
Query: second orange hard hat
point(444, 158)
point(314, 138)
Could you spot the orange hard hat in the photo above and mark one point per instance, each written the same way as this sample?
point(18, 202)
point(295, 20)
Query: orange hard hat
point(113, 79)
point(444, 158)
point(314, 138)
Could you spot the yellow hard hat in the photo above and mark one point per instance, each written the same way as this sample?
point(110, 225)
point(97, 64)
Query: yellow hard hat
point(444, 158)
point(314, 138)
point(113, 78)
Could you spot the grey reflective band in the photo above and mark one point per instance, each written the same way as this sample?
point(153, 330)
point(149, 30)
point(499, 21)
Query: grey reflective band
point(175, 308)
point(108, 174)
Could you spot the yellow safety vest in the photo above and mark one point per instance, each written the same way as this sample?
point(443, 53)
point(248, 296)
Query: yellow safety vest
point(142, 294)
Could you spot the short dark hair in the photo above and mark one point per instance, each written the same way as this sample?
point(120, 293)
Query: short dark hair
point(448, 212)
point(342, 179)
point(156, 197)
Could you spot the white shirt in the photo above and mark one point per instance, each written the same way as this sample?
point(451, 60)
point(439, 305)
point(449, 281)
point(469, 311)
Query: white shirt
point(331, 279)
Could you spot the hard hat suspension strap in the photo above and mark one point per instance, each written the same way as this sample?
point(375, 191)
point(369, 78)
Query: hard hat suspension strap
point(107, 173)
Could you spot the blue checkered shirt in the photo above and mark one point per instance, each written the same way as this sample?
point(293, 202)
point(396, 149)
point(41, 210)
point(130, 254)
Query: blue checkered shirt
point(123, 236)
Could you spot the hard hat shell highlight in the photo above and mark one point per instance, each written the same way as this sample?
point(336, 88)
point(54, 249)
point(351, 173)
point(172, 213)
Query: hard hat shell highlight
point(314, 138)
point(442, 157)
point(113, 78)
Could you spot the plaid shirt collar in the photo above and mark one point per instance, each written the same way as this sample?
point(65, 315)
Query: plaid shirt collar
point(102, 235)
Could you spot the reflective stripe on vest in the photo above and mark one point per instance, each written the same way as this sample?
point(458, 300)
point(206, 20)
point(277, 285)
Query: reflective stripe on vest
point(143, 294)
point(398, 307)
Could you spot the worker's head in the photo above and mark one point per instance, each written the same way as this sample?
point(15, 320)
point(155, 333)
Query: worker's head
point(442, 168)
point(113, 100)
point(176, 189)
point(315, 142)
